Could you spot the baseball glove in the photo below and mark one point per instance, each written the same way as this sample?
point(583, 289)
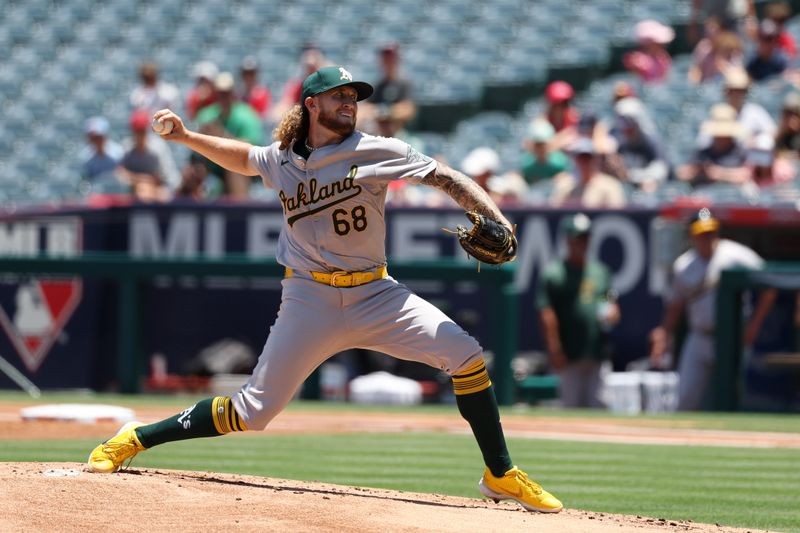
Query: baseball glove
point(488, 241)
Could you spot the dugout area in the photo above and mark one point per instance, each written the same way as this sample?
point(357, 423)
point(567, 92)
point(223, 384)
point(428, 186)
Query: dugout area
point(766, 376)
point(734, 361)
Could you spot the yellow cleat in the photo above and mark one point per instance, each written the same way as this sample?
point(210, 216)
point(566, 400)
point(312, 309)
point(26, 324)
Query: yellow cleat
point(515, 485)
point(112, 454)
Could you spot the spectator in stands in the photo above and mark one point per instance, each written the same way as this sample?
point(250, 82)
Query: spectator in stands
point(752, 116)
point(147, 166)
point(695, 277)
point(576, 306)
point(311, 59)
point(575, 125)
point(780, 13)
point(481, 164)
point(540, 161)
point(766, 167)
point(650, 61)
point(719, 51)
point(231, 118)
point(586, 186)
point(153, 94)
point(101, 155)
point(639, 148)
point(194, 175)
point(760, 158)
point(390, 125)
point(787, 139)
point(591, 127)
point(625, 99)
point(724, 159)
point(734, 15)
point(634, 105)
point(253, 93)
point(393, 90)
point(560, 113)
point(623, 89)
point(598, 130)
point(403, 192)
point(769, 60)
point(202, 94)
point(508, 189)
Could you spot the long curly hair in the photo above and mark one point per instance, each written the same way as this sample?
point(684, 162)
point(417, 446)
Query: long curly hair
point(293, 126)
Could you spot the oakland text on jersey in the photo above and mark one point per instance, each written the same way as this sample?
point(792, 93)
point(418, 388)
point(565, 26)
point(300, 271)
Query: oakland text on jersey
point(315, 195)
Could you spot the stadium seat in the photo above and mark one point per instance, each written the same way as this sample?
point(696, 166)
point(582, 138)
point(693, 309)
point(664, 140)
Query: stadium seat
point(19, 31)
point(787, 193)
point(722, 193)
point(13, 194)
point(433, 143)
point(37, 10)
point(488, 125)
point(109, 186)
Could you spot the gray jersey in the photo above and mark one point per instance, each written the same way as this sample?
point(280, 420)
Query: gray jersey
point(333, 208)
point(333, 203)
point(695, 280)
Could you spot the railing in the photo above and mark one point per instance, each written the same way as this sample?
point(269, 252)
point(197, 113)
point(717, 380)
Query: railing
point(730, 328)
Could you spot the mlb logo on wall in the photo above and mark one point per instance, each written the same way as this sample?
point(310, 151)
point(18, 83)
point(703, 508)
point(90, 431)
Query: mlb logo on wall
point(34, 311)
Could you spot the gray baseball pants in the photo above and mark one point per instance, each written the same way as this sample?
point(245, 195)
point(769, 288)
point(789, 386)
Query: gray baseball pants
point(316, 321)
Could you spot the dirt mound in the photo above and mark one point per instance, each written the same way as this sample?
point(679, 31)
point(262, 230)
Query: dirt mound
point(64, 497)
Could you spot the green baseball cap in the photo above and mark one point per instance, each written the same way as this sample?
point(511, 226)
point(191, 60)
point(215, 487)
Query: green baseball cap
point(328, 78)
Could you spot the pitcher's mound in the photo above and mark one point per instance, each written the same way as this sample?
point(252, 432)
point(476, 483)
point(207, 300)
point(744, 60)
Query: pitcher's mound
point(67, 498)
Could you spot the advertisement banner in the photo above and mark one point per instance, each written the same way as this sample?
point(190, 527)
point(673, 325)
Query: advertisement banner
point(60, 332)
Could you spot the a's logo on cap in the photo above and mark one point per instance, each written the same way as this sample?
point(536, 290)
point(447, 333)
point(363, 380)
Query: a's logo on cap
point(704, 214)
point(345, 75)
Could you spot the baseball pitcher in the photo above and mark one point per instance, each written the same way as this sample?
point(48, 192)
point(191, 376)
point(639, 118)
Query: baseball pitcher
point(331, 181)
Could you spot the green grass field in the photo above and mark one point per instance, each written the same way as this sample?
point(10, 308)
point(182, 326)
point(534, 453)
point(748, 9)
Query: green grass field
point(780, 423)
point(755, 488)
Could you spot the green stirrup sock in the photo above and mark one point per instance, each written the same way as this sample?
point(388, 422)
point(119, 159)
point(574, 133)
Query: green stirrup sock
point(480, 410)
point(478, 405)
point(206, 418)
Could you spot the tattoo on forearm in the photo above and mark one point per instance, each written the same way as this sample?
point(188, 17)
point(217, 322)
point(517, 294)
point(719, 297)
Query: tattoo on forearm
point(463, 190)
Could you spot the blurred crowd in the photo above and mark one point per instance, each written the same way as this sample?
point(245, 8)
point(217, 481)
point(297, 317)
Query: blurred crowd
point(570, 157)
point(224, 104)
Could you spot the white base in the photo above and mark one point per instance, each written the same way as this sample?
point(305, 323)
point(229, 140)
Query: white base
point(75, 412)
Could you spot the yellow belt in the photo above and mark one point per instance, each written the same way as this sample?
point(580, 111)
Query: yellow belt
point(340, 278)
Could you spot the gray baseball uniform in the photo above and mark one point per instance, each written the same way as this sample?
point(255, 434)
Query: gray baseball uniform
point(333, 206)
point(695, 282)
point(337, 293)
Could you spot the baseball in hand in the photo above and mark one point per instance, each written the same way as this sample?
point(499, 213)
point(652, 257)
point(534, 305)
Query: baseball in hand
point(162, 128)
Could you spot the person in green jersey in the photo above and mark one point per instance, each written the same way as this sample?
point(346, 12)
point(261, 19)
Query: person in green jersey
point(231, 119)
point(540, 161)
point(576, 306)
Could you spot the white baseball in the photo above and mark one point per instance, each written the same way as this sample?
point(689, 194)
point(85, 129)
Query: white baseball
point(162, 128)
